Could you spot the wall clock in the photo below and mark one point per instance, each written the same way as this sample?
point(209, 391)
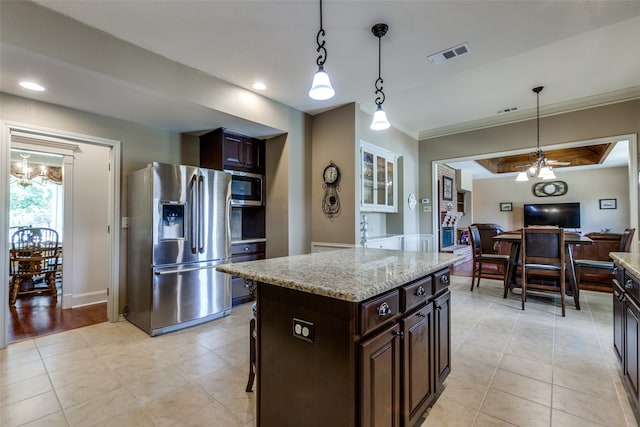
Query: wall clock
point(551, 188)
point(331, 186)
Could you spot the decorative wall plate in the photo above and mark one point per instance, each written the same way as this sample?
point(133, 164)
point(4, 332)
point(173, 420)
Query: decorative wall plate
point(412, 201)
point(550, 188)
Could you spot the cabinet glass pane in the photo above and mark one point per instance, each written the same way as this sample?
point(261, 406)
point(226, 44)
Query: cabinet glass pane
point(367, 177)
point(390, 184)
point(381, 180)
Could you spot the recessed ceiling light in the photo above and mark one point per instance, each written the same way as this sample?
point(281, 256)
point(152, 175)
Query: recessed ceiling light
point(32, 86)
point(259, 86)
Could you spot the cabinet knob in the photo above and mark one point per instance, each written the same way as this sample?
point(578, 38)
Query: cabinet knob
point(399, 334)
point(444, 278)
point(628, 284)
point(420, 291)
point(421, 314)
point(615, 270)
point(246, 248)
point(384, 310)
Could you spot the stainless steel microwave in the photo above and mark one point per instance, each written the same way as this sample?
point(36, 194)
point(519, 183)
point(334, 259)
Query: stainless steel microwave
point(247, 189)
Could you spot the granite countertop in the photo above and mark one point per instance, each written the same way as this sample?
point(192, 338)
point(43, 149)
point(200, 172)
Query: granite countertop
point(353, 274)
point(630, 261)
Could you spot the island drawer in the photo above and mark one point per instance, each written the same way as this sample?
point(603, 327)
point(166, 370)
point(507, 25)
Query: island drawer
point(415, 293)
point(631, 286)
point(247, 248)
point(441, 280)
point(378, 311)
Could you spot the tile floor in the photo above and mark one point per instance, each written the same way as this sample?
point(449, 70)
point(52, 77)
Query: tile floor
point(509, 368)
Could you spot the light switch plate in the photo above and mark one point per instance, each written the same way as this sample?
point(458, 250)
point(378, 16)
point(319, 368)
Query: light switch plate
point(125, 222)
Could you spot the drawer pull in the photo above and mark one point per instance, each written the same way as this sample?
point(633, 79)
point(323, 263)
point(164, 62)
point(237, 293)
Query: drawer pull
point(399, 334)
point(444, 278)
point(421, 314)
point(615, 270)
point(384, 310)
point(246, 249)
point(628, 284)
point(420, 291)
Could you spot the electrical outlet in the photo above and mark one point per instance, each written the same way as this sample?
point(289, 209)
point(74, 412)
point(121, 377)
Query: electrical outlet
point(303, 330)
point(125, 222)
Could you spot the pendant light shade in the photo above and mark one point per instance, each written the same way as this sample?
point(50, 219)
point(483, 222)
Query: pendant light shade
point(540, 166)
point(379, 121)
point(321, 88)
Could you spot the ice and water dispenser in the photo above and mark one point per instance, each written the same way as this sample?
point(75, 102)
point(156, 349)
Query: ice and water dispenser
point(173, 224)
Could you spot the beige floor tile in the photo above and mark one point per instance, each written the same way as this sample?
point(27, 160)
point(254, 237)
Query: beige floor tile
point(595, 382)
point(522, 386)
point(30, 409)
point(484, 420)
point(12, 393)
point(563, 419)
point(90, 385)
point(57, 419)
point(182, 402)
point(440, 414)
point(135, 418)
point(17, 354)
point(472, 370)
point(53, 348)
point(523, 366)
point(203, 365)
point(102, 409)
point(486, 355)
point(76, 374)
point(155, 384)
point(212, 415)
point(22, 372)
point(516, 410)
point(465, 392)
point(597, 409)
point(73, 358)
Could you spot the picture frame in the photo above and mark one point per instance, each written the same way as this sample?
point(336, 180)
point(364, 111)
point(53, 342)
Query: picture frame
point(506, 206)
point(447, 188)
point(608, 203)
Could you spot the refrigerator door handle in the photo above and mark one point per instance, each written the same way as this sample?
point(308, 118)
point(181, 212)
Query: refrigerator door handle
point(193, 190)
point(183, 270)
point(201, 197)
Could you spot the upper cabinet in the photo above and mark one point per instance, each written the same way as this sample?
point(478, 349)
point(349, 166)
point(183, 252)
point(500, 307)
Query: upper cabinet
point(378, 175)
point(221, 149)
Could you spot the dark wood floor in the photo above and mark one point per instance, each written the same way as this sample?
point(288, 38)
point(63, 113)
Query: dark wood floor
point(37, 315)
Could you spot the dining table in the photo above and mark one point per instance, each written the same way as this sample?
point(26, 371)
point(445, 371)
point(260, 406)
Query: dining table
point(570, 241)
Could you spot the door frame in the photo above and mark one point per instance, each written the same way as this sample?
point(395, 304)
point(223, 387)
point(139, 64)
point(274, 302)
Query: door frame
point(632, 167)
point(54, 138)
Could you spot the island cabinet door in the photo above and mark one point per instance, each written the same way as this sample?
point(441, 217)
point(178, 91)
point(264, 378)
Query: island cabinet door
point(380, 379)
point(632, 323)
point(442, 315)
point(618, 320)
point(418, 389)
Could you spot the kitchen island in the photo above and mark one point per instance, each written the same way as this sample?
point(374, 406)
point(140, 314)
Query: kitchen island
point(353, 337)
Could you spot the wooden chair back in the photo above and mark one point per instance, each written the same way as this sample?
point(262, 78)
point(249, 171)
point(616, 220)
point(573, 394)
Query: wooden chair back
point(625, 240)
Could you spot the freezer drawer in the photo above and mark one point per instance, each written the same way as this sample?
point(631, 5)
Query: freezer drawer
point(188, 295)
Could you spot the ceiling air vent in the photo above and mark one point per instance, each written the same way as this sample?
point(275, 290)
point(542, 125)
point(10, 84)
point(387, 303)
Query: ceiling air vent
point(445, 55)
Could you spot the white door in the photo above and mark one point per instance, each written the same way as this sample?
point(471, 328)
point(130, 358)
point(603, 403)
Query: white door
point(90, 250)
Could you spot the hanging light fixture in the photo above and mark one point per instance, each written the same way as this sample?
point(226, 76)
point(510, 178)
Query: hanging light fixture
point(540, 166)
point(321, 88)
point(379, 121)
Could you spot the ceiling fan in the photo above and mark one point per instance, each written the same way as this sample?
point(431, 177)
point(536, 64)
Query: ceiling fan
point(539, 166)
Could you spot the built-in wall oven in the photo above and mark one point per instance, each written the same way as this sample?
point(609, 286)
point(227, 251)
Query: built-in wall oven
point(247, 189)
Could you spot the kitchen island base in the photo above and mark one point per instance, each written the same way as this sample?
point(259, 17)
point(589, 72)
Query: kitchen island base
point(325, 361)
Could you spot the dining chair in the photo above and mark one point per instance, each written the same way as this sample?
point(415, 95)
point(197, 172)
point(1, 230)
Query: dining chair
point(624, 246)
point(543, 256)
point(33, 257)
point(480, 258)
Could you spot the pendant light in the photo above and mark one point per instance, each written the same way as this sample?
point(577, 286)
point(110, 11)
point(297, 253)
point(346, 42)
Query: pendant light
point(321, 88)
point(379, 121)
point(540, 167)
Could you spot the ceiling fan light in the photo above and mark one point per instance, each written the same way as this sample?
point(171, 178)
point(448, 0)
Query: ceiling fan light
point(522, 176)
point(321, 88)
point(380, 121)
point(546, 173)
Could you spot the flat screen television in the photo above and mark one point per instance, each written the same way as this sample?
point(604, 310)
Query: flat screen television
point(564, 215)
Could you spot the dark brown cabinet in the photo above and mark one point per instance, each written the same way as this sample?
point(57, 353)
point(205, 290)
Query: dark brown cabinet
point(626, 325)
point(380, 378)
point(418, 356)
point(368, 363)
point(221, 149)
point(241, 252)
point(442, 310)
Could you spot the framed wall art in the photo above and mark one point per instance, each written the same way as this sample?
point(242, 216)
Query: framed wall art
point(608, 203)
point(506, 207)
point(447, 188)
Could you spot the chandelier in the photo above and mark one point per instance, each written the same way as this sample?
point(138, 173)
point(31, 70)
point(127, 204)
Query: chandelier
point(540, 165)
point(26, 175)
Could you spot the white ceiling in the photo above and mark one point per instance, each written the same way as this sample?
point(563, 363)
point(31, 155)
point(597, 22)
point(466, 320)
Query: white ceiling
point(583, 52)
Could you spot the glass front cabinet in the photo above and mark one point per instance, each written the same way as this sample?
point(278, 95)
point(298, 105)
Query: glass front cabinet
point(378, 192)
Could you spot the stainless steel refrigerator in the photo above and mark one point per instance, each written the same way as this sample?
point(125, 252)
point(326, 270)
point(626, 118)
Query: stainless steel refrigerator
point(179, 230)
